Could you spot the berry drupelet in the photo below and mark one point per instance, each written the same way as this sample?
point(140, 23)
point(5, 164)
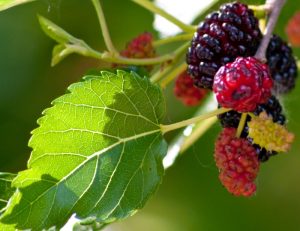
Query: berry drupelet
point(224, 35)
point(282, 64)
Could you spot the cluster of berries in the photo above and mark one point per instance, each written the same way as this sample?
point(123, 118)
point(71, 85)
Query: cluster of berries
point(220, 58)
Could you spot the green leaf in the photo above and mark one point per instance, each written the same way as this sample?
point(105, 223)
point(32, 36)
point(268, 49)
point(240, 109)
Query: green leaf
point(97, 153)
point(6, 190)
point(5, 4)
point(55, 32)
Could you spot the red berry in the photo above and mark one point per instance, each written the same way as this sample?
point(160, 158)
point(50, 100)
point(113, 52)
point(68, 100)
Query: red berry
point(186, 91)
point(243, 84)
point(293, 29)
point(237, 162)
point(140, 47)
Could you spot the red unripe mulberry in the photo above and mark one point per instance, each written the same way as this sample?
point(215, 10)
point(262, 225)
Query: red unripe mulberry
point(237, 161)
point(243, 84)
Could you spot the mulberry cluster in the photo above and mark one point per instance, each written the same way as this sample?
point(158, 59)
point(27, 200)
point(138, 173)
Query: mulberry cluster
point(220, 58)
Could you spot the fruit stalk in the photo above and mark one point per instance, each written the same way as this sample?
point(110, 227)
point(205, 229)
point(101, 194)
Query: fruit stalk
point(190, 133)
point(173, 74)
point(171, 127)
point(175, 56)
point(241, 125)
point(275, 7)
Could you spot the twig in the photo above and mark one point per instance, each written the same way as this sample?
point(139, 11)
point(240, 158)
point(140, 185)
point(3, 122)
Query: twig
point(176, 38)
point(104, 28)
point(173, 74)
point(275, 7)
point(153, 8)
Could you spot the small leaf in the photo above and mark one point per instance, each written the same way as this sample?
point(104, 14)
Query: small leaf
point(58, 54)
point(97, 153)
point(55, 32)
point(6, 190)
point(6, 4)
point(68, 44)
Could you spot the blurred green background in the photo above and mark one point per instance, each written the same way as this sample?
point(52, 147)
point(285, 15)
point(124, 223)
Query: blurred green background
point(191, 196)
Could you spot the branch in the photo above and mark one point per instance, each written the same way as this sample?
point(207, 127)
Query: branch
point(274, 7)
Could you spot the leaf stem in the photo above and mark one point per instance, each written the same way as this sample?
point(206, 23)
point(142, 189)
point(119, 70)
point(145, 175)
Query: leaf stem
point(241, 125)
point(154, 9)
point(104, 29)
point(173, 74)
point(171, 127)
point(176, 38)
point(275, 7)
point(184, 135)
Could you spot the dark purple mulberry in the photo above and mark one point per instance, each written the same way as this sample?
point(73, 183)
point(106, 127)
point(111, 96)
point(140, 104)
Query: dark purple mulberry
point(223, 36)
point(282, 65)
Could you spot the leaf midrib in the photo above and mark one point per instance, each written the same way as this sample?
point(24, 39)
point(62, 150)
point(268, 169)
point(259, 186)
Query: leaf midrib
point(81, 164)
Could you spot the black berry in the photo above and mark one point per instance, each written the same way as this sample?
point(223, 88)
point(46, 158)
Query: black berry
point(282, 65)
